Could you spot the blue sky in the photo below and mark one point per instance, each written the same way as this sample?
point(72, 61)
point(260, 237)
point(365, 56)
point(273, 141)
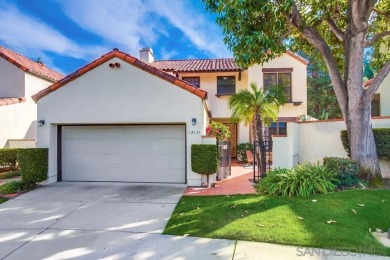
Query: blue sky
point(67, 34)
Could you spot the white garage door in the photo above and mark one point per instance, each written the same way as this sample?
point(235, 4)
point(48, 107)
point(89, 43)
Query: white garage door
point(124, 153)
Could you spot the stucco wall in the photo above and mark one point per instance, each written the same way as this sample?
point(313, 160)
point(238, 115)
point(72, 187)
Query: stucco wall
point(11, 80)
point(299, 82)
point(321, 139)
point(285, 151)
point(18, 121)
point(384, 91)
point(126, 95)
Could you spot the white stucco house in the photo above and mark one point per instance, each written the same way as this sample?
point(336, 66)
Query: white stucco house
point(20, 77)
point(120, 118)
point(222, 78)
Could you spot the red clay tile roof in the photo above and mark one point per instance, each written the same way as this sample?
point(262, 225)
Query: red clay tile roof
point(129, 59)
point(10, 101)
point(197, 65)
point(207, 65)
point(28, 65)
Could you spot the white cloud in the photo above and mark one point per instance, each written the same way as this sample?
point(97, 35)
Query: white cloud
point(166, 55)
point(121, 22)
point(30, 35)
point(129, 24)
point(202, 32)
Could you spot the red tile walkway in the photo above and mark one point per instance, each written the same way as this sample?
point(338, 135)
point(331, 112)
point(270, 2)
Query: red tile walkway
point(238, 183)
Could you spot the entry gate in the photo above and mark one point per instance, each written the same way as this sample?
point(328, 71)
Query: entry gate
point(265, 164)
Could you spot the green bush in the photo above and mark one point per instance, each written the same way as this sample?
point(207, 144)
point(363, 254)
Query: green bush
point(300, 181)
point(33, 163)
point(7, 175)
point(241, 151)
point(382, 141)
point(204, 158)
point(9, 157)
point(11, 187)
point(346, 170)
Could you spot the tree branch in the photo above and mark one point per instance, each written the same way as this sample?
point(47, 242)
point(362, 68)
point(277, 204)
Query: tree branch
point(384, 14)
point(375, 38)
point(383, 72)
point(335, 29)
point(320, 44)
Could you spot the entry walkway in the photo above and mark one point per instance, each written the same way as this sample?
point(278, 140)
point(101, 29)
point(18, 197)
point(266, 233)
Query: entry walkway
point(238, 183)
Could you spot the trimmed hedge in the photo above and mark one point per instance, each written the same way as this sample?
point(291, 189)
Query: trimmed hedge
point(33, 163)
point(346, 170)
point(382, 141)
point(12, 187)
point(9, 157)
point(204, 158)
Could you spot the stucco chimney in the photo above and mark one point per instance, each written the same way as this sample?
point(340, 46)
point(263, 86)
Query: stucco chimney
point(146, 55)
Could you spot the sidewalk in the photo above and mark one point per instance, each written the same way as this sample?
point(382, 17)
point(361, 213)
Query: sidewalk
point(205, 248)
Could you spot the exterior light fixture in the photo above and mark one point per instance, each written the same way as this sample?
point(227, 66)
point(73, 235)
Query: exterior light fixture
point(41, 123)
point(193, 121)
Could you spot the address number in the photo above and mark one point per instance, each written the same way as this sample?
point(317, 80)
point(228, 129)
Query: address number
point(193, 132)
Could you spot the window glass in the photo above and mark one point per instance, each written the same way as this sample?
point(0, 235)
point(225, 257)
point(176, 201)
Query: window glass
point(193, 80)
point(226, 85)
point(283, 79)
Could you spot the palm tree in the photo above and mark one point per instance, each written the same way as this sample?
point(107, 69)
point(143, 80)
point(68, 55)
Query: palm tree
point(258, 108)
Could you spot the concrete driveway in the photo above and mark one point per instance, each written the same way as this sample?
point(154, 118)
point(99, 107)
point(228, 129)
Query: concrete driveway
point(99, 220)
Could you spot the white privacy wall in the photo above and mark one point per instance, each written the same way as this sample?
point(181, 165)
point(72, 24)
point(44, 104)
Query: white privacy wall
point(312, 141)
point(126, 95)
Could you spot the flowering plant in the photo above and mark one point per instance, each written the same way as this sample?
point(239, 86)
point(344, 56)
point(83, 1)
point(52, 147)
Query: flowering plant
point(219, 130)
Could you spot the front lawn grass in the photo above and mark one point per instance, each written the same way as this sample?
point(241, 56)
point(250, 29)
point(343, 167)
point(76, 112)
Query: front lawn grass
point(2, 200)
point(279, 219)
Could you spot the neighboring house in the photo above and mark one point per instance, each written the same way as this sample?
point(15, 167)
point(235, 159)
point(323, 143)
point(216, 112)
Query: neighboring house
point(20, 78)
point(380, 105)
point(222, 77)
point(120, 119)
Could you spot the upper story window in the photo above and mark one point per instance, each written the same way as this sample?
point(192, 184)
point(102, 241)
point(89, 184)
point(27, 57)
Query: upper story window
point(226, 85)
point(193, 81)
point(278, 77)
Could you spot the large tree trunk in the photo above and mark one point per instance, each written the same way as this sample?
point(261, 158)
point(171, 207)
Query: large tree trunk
point(358, 114)
point(353, 99)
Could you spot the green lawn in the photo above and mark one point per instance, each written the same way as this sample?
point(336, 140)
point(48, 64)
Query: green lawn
point(2, 200)
point(277, 219)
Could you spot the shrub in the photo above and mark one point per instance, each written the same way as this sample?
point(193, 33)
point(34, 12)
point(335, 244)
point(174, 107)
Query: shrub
point(241, 151)
point(11, 187)
point(7, 175)
point(9, 157)
point(33, 164)
point(204, 159)
point(300, 181)
point(346, 170)
point(382, 141)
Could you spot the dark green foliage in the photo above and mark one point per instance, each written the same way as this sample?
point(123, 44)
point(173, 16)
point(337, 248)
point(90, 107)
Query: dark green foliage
point(9, 157)
point(321, 98)
point(300, 181)
point(204, 158)
point(7, 175)
point(382, 141)
point(33, 164)
point(241, 151)
point(346, 170)
point(11, 187)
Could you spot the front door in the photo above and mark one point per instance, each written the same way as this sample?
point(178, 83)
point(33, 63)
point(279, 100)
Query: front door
point(233, 137)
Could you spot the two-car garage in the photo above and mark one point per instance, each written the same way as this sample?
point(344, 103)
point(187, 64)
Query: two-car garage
point(123, 153)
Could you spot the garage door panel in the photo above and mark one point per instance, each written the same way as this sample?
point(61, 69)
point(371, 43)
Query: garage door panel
point(124, 153)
